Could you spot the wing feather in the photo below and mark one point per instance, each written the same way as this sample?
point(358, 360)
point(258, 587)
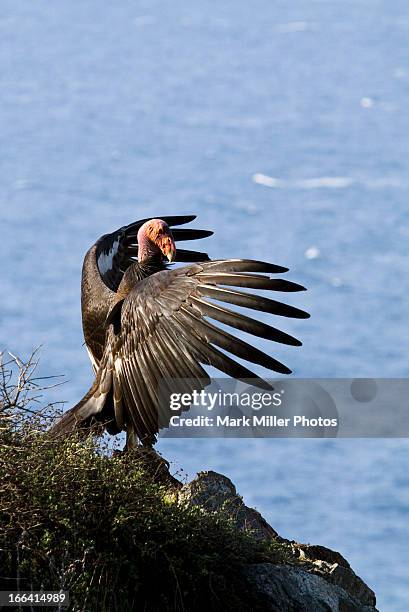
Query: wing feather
point(115, 251)
point(242, 322)
point(168, 331)
point(211, 334)
point(256, 302)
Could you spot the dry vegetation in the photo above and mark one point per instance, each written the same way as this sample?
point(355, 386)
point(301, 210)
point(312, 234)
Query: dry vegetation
point(75, 517)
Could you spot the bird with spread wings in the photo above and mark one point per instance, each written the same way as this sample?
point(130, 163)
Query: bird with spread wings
point(145, 321)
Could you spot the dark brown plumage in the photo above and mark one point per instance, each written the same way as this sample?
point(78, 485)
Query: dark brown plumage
point(103, 269)
point(143, 322)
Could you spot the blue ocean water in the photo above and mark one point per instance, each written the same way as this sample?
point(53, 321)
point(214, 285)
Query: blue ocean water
point(284, 126)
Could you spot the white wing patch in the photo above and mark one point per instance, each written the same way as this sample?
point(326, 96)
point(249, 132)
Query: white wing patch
point(95, 364)
point(105, 259)
point(118, 366)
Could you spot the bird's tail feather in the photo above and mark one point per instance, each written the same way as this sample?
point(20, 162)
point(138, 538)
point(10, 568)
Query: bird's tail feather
point(80, 415)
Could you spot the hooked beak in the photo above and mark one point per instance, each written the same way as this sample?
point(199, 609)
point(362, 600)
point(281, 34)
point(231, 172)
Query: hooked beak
point(168, 248)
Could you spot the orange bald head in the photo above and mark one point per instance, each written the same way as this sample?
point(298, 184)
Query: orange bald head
point(155, 237)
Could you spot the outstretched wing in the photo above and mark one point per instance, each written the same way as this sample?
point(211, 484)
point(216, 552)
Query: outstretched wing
point(168, 330)
point(117, 251)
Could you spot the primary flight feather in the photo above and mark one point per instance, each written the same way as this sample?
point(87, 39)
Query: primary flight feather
point(144, 322)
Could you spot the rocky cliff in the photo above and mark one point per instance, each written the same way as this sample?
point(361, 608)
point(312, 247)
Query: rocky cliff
point(315, 579)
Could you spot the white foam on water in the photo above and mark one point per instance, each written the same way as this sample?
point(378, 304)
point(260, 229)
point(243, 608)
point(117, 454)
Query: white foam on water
point(331, 182)
point(268, 181)
point(312, 252)
point(367, 102)
point(385, 181)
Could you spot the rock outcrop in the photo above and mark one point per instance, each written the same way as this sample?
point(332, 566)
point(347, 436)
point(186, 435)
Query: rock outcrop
point(315, 579)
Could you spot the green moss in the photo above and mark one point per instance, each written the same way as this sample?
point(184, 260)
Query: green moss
point(73, 517)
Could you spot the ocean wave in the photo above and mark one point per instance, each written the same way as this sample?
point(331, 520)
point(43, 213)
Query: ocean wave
point(329, 182)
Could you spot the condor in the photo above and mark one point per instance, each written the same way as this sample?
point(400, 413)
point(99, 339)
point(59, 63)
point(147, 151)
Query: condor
point(145, 321)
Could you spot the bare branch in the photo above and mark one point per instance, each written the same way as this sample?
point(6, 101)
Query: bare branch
point(21, 391)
